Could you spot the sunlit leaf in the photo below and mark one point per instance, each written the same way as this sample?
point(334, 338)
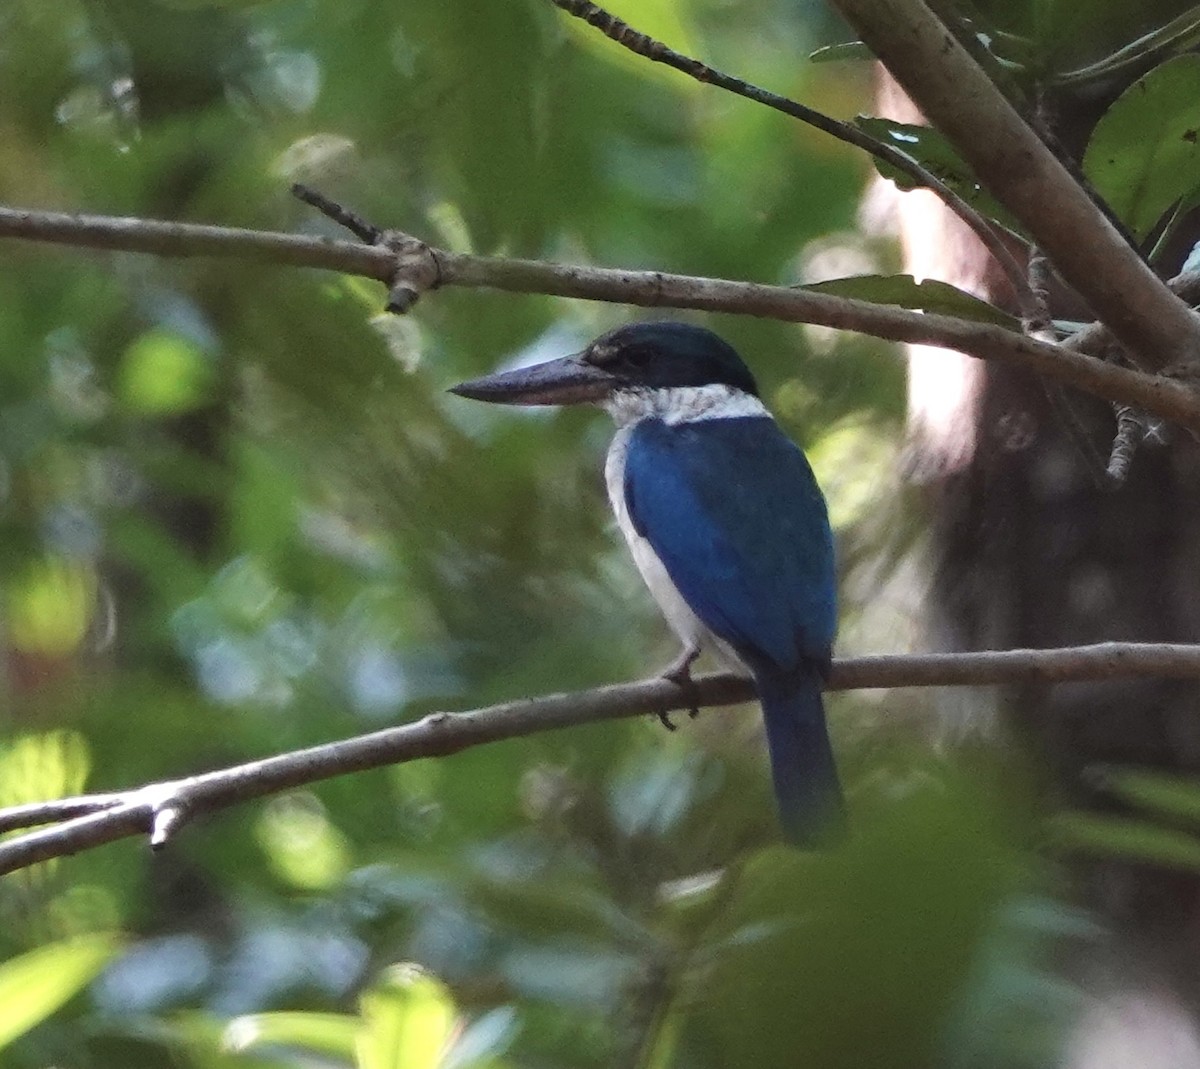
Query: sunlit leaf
point(36, 984)
point(163, 373)
point(407, 1021)
point(304, 847)
point(322, 1033)
point(1143, 154)
point(49, 605)
point(35, 767)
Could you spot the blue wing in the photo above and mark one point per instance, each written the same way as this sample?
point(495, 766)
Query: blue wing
point(733, 511)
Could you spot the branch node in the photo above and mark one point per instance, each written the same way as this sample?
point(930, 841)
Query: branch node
point(416, 269)
point(165, 822)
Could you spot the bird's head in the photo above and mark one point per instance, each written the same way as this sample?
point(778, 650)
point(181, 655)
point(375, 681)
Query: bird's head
point(637, 359)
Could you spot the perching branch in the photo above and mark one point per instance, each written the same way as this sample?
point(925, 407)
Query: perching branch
point(656, 51)
point(159, 809)
point(1025, 176)
point(408, 265)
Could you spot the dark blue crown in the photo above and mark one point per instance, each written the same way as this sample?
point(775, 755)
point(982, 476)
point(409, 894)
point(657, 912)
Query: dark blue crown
point(669, 354)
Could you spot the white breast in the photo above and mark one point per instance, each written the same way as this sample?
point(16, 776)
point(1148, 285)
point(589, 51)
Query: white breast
point(685, 623)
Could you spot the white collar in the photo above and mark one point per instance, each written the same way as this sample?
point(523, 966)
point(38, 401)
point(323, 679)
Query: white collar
point(682, 404)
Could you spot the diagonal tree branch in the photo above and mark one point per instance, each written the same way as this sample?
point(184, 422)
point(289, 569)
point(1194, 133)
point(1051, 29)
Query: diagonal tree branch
point(1025, 176)
point(644, 45)
point(409, 265)
point(159, 809)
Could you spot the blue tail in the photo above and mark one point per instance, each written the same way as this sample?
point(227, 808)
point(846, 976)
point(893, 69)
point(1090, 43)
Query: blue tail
point(806, 781)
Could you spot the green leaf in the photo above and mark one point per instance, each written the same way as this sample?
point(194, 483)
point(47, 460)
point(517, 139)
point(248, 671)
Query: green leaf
point(49, 604)
point(41, 765)
point(1134, 840)
point(36, 984)
point(163, 373)
point(1143, 156)
point(407, 1021)
point(322, 1033)
point(1169, 795)
point(855, 50)
point(1180, 33)
point(931, 150)
point(929, 295)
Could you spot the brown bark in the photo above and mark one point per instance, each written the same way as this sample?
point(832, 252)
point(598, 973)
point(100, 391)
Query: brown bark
point(1031, 548)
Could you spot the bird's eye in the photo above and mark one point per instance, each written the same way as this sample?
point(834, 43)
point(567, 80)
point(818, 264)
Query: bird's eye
point(603, 355)
point(619, 358)
point(629, 358)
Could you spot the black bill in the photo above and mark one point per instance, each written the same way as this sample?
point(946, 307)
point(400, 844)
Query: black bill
point(567, 381)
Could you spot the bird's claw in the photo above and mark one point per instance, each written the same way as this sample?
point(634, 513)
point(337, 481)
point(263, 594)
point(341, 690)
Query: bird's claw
point(679, 672)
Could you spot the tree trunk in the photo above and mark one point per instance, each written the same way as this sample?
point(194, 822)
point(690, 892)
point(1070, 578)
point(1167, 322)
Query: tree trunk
point(1031, 548)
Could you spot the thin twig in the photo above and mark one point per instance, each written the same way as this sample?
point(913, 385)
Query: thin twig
point(643, 45)
point(159, 809)
point(1167, 398)
point(339, 213)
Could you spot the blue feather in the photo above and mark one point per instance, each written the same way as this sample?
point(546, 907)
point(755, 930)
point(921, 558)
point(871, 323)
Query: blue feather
point(731, 508)
point(807, 791)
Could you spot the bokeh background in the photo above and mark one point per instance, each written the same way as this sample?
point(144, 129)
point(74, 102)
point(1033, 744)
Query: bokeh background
point(239, 514)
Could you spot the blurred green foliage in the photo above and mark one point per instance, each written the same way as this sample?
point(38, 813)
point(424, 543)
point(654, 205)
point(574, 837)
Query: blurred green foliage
point(238, 514)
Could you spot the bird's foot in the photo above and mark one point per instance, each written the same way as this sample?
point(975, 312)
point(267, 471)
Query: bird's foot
point(679, 672)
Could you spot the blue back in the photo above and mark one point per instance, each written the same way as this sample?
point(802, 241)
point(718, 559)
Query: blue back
point(733, 511)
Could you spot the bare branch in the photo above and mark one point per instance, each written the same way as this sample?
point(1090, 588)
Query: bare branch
point(1025, 176)
point(643, 45)
point(1036, 321)
point(422, 266)
point(1131, 429)
point(158, 810)
point(1172, 400)
point(161, 238)
point(26, 816)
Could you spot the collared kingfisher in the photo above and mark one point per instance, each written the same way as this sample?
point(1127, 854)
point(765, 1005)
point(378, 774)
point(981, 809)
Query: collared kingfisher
point(726, 525)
